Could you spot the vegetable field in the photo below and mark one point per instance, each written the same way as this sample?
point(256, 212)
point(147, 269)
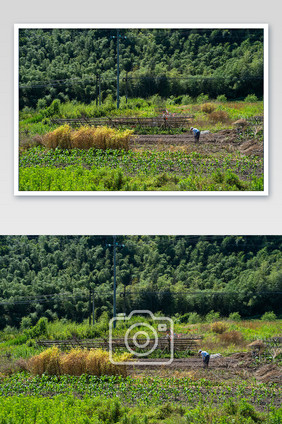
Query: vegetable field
point(104, 159)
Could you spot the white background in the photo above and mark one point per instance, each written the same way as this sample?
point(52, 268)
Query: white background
point(140, 215)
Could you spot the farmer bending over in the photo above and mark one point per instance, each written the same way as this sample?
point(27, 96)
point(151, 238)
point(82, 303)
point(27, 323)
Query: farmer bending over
point(206, 357)
point(196, 133)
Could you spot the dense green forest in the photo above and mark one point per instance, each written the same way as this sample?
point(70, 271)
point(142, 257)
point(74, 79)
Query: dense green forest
point(51, 275)
point(72, 64)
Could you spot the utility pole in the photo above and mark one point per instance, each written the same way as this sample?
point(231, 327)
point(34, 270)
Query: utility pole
point(93, 307)
point(99, 90)
point(115, 282)
point(118, 37)
point(117, 68)
point(115, 245)
point(126, 87)
point(89, 305)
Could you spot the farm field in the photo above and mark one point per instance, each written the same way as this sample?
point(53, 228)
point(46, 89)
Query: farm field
point(225, 159)
point(237, 386)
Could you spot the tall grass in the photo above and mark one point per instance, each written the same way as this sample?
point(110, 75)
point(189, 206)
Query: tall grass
point(87, 137)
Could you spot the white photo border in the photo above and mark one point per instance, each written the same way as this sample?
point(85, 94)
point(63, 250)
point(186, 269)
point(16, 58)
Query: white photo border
point(264, 192)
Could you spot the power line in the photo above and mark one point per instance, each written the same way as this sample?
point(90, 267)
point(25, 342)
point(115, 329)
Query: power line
point(37, 299)
point(57, 83)
point(53, 297)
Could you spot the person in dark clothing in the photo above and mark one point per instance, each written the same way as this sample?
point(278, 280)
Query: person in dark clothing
point(196, 133)
point(205, 357)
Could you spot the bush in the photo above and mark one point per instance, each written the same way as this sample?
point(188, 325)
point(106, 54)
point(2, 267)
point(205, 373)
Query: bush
point(25, 323)
point(235, 316)
point(207, 108)
point(40, 329)
point(194, 318)
point(269, 316)
point(248, 411)
point(186, 100)
point(218, 327)
point(212, 316)
point(218, 116)
point(231, 337)
point(202, 98)
point(233, 180)
point(221, 98)
point(251, 98)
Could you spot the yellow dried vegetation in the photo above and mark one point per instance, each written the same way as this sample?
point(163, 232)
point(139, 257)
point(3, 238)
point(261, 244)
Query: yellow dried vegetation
point(87, 137)
point(207, 108)
point(77, 362)
point(60, 137)
point(47, 362)
point(218, 327)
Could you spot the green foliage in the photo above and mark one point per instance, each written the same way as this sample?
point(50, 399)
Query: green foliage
point(152, 62)
point(234, 316)
point(88, 399)
point(26, 323)
point(171, 274)
point(212, 316)
point(114, 169)
point(202, 98)
point(269, 316)
point(251, 98)
point(221, 98)
point(194, 318)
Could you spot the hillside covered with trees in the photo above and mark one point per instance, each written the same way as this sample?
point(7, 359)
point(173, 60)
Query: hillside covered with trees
point(52, 275)
point(69, 64)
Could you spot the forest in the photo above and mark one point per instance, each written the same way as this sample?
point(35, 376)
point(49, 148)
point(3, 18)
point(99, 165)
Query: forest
point(52, 276)
point(78, 64)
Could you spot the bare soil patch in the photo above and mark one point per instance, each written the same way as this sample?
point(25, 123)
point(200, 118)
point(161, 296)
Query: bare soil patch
point(225, 140)
point(240, 366)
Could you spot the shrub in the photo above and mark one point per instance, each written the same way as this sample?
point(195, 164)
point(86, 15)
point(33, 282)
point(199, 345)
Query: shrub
point(25, 323)
point(194, 318)
point(235, 316)
point(41, 104)
point(221, 98)
point(202, 98)
point(248, 411)
point(40, 329)
point(269, 316)
point(233, 180)
point(251, 98)
point(231, 337)
point(212, 316)
point(186, 100)
point(207, 108)
point(218, 116)
point(218, 327)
